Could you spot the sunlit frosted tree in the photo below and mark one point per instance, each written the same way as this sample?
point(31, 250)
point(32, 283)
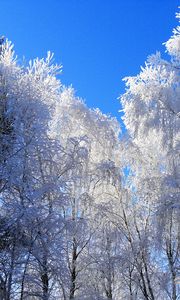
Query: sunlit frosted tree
point(151, 106)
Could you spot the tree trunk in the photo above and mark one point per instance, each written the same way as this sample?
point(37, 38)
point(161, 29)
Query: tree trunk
point(45, 279)
point(23, 278)
point(8, 294)
point(73, 270)
point(170, 256)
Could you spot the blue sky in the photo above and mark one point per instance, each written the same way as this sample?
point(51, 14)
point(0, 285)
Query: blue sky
point(98, 42)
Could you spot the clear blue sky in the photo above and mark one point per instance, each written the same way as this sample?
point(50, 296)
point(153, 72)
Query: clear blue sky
point(98, 42)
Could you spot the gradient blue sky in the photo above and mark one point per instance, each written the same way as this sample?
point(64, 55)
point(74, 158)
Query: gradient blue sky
point(98, 42)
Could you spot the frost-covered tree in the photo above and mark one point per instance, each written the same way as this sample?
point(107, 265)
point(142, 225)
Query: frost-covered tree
point(151, 106)
point(91, 141)
point(56, 157)
point(28, 175)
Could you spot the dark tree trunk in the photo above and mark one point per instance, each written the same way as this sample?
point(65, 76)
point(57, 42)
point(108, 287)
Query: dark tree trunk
point(73, 270)
point(45, 279)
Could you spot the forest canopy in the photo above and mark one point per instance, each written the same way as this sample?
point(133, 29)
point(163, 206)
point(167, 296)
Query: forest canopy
point(84, 213)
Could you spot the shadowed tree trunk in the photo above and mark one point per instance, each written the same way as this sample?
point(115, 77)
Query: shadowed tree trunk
point(45, 279)
point(73, 270)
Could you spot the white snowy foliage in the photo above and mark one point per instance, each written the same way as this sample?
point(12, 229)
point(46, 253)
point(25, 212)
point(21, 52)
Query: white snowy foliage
point(151, 153)
point(173, 44)
point(152, 109)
